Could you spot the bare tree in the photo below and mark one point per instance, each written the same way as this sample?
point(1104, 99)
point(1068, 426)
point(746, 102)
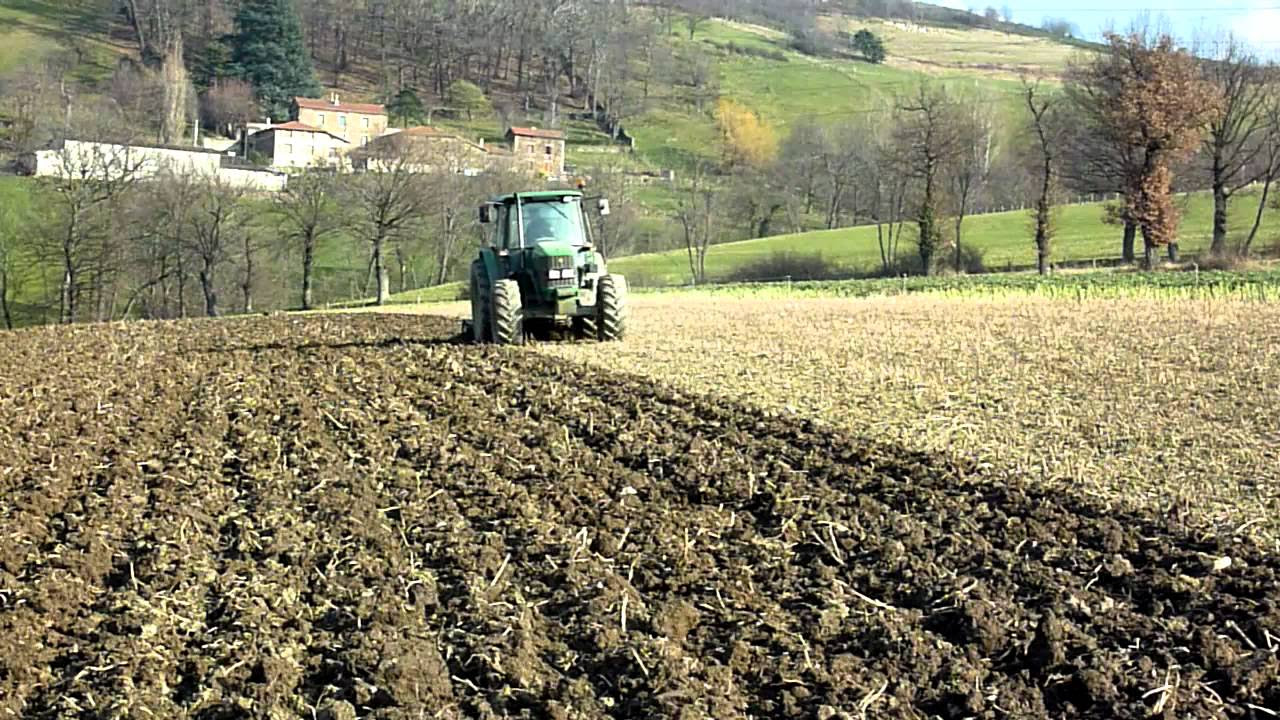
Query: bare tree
point(308, 208)
point(968, 173)
point(928, 139)
point(89, 179)
point(695, 212)
point(389, 202)
point(1238, 132)
point(216, 221)
point(1043, 108)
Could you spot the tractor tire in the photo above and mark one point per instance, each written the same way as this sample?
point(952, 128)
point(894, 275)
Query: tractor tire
point(481, 330)
point(611, 308)
point(507, 312)
point(584, 327)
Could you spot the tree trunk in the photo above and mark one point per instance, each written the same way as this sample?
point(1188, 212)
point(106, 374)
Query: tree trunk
point(1257, 219)
point(308, 266)
point(380, 273)
point(1219, 246)
point(1148, 256)
point(1173, 252)
point(246, 287)
point(1130, 236)
point(4, 300)
point(210, 295)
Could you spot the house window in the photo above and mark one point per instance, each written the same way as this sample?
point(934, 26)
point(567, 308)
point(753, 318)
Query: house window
point(366, 122)
point(530, 149)
point(342, 121)
point(320, 117)
point(288, 148)
point(548, 150)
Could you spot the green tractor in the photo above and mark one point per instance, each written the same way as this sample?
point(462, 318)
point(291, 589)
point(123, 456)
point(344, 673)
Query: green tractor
point(540, 275)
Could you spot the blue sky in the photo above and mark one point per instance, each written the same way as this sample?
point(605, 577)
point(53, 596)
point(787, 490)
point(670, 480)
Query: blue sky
point(1256, 21)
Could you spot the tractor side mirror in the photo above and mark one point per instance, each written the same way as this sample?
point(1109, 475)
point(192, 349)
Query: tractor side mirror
point(603, 206)
point(485, 215)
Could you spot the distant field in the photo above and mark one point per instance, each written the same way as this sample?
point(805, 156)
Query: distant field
point(1004, 240)
point(782, 90)
point(32, 30)
point(972, 50)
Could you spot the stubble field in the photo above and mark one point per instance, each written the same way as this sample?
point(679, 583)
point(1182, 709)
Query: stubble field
point(348, 515)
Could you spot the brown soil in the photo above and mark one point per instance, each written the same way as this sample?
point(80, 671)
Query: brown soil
point(352, 516)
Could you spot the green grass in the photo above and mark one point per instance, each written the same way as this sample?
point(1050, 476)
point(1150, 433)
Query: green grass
point(1004, 239)
point(33, 30)
point(676, 134)
point(1256, 285)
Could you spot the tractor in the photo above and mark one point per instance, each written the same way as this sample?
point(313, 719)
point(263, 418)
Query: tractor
point(540, 275)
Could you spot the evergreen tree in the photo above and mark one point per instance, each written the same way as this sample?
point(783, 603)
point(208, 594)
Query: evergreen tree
point(406, 106)
point(869, 45)
point(267, 50)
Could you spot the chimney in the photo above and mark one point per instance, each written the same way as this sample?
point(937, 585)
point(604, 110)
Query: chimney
point(333, 98)
point(481, 142)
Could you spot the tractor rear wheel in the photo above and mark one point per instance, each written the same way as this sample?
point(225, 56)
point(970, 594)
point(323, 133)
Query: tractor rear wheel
point(480, 323)
point(507, 310)
point(611, 309)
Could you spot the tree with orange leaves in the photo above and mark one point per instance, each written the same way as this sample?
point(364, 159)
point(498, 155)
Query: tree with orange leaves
point(748, 140)
point(1150, 96)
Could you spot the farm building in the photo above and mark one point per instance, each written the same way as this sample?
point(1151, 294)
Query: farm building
point(295, 145)
point(356, 123)
point(539, 151)
point(73, 158)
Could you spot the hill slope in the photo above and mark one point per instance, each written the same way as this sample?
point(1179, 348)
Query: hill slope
point(1002, 239)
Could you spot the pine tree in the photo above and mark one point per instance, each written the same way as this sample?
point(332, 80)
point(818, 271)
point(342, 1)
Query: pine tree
point(267, 50)
point(870, 46)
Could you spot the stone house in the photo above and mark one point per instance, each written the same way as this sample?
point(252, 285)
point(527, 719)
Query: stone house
point(425, 149)
point(541, 152)
point(356, 123)
point(296, 145)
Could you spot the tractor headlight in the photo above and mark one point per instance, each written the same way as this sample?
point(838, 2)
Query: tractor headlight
point(553, 274)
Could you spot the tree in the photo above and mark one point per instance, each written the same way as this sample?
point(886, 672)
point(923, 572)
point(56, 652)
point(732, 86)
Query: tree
point(1237, 133)
point(91, 178)
point(1043, 108)
point(975, 133)
point(307, 207)
point(869, 45)
point(928, 141)
point(748, 140)
point(1151, 96)
point(695, 212)
point(229, 105)
point(467, 96)
point(215, 222)
point(267, 51)
point(406, 106)
point(389, 204)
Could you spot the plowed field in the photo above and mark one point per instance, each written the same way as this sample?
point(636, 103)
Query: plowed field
point(347, 516)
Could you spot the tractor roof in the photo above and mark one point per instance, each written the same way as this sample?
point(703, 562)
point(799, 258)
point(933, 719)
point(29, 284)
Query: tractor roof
point(539, 196)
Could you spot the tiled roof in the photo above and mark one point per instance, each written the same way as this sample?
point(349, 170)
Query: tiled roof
point(296, 126)
point(536, 133)
point(321, 104)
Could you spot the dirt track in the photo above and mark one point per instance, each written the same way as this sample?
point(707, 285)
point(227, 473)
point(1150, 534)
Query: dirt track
point(258, 518)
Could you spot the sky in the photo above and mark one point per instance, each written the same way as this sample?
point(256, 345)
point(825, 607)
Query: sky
point(1256, 21)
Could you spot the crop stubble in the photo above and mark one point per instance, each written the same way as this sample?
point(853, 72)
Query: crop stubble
point(1170, 406)
point(349, 514)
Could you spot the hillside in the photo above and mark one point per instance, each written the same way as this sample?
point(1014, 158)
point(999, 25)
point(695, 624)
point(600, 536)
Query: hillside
point(1001, 239)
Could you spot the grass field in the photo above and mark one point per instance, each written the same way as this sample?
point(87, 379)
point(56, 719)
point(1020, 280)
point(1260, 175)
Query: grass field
point(1004, 240)
point(33, 30)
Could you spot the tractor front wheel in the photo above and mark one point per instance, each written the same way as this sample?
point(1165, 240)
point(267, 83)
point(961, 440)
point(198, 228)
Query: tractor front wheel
point(507, 311)
point(611, 309)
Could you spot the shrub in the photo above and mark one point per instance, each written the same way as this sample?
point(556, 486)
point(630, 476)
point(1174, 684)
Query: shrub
point(783, 265)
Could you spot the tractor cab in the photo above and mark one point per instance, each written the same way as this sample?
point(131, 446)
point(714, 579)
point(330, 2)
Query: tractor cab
point(540, 246)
